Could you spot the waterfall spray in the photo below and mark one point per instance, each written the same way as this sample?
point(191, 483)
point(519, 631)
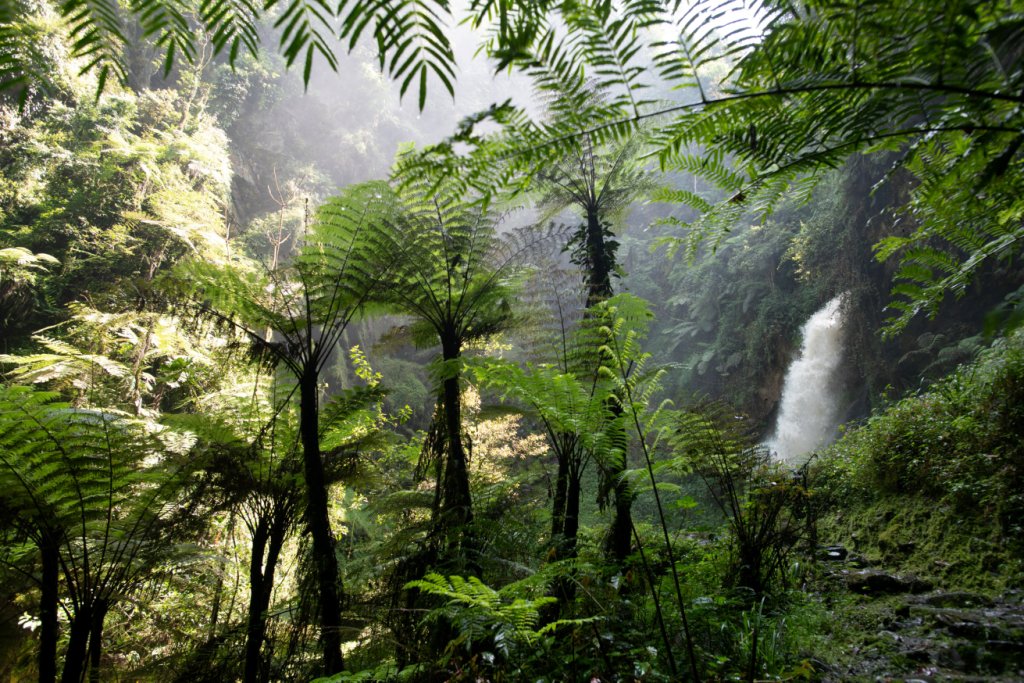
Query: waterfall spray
point(809, 412)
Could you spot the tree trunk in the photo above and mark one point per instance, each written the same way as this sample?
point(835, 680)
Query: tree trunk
point(572, 515)
point(267, 539)
point(218, 592)
point(558, 506)
point(622, 523)
point(457, 508)
point(49, 629)
point(319, 524)
point(600, 262)
point(74, 660)
point(565, 587)
point(254, 625)
point(619, 541)
point(599, 288)
point(99, 614)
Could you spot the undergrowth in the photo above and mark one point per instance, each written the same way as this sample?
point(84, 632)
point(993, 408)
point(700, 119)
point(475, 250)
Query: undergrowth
point(934, 483)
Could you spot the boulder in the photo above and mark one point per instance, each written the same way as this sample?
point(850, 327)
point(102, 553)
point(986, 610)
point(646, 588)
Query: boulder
point(874, 582)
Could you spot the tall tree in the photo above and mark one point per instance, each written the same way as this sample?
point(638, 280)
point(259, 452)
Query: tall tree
point(598, 184)
point(251, 429)
point(294, 317)
point(454, 274)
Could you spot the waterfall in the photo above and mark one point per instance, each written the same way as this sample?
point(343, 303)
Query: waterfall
point(809, 411)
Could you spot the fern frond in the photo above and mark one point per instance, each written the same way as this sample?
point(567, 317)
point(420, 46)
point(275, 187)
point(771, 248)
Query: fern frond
point(412, 44)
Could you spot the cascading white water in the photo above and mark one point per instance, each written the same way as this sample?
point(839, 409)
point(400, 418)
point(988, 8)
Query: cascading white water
point(809, 411)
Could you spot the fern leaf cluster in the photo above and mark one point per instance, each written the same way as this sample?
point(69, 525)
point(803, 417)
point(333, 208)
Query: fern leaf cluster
point(98, 485)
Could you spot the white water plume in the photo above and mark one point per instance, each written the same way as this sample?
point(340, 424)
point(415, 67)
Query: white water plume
point(809, 411)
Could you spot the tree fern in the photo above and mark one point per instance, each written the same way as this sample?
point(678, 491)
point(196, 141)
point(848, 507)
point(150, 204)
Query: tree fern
point(294, 317)
point(455, 276)
point(96, 493)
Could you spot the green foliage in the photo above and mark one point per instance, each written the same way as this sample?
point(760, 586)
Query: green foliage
point(20, 267)
point(116, 190)
point(20, 270)
point(481, 613)
point(932, 482)
point(765, 506)
point(565, 404)
point(135, 360)
point(756, 106)
point(63, 466)
point(499, 628)
point(409, 35)
point(956, 442)
point(97, 499)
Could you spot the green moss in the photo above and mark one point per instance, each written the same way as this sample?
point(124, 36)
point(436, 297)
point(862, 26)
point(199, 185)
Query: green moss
point(934, 484)
point(916, 535)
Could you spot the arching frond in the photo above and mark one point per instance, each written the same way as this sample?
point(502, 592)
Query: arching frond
point(97, 36)
point(165, 21)
point(98, 482)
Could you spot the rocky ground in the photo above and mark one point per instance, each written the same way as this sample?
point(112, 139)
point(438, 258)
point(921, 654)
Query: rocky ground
point(905, 629)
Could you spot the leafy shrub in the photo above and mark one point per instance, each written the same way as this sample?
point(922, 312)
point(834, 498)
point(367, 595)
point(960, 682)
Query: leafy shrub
point(960, 442)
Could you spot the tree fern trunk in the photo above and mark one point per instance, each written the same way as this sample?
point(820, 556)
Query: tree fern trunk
point(49, 629)
point(457, 508)
point(558, 506)
point(319, 524)
point(600, 262)
point(74, 660)
point(99, 615)
point(565, 587)
point(267, 540)
point(572, 515)
point(254, 628)
point(278, 532)
point(619, 536)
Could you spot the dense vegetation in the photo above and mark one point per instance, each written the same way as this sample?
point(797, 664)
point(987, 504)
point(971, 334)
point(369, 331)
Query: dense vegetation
point(287, 398)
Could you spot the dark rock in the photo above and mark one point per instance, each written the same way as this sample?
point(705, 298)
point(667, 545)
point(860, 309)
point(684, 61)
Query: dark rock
point(1001, 656)
point(858, 561)
point(919, 656)
point(957, 599)
point(873, 582)
point(970, 630)
point(961, 657)
point(1007, 646)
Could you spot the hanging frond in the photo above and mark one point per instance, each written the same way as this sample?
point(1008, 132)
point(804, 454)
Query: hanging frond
point(307, 27)
point(165, 22)
point(231, 25)
point(411, 38)
point(97, 37)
